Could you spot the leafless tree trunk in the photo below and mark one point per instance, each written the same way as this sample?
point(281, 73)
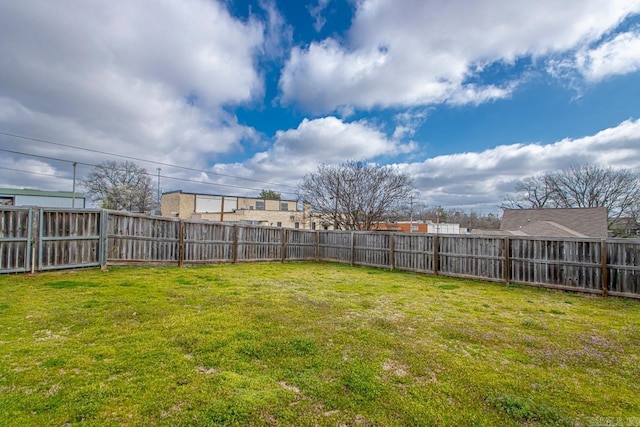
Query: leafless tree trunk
point(355, 195)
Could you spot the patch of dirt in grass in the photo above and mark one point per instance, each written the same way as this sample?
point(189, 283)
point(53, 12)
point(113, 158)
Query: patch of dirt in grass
point(289, 387)
point(204, 371)
point(395, 367)
point(53, 390)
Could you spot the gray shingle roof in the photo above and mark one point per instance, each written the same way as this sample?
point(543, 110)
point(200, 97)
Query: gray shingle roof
point(574, 222)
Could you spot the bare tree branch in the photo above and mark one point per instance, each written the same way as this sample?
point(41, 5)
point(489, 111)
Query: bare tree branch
point(585, 186)
point(355, 195)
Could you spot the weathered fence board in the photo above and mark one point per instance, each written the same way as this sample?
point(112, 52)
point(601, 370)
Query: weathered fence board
point(372, 249)
point(477, 257)
point(15, 240)
point(207, 242)
point(335, 246)
point(134, 238)
point(300, 245)
point(68, 238)
point(567, 263)
point(414, 252)
point(623, 267)
point(259, 243)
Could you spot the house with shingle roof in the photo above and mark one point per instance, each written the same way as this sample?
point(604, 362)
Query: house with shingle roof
point(556, 222)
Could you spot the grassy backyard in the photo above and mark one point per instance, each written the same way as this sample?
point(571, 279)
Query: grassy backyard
point(309, 344)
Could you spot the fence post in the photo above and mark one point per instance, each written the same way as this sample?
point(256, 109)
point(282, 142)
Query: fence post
point(235, 243)
point(392, 251)
point(317, 245)
point(181, 244)
point(39, 219)
point(284, 245)
point(103, 247)
point(436, 243)
point(507, 260)
point(605, 269)
point(32, 233)
point(353, 247)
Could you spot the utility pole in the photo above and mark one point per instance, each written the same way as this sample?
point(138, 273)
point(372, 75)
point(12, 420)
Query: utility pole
point(73, 196)
point(335, 212)
point(411, 215)
point(158, 185)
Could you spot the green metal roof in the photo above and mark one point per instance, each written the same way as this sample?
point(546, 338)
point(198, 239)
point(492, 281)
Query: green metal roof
point(32, 192)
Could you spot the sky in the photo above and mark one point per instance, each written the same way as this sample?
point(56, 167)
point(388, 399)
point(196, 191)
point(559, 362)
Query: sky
point(231, 97)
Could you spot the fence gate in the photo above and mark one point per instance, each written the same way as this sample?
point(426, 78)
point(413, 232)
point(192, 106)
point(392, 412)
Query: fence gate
point(15, 239)
point(68, 238)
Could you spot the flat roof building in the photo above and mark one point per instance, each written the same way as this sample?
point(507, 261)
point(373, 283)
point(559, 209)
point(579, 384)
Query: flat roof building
point(40, 198)
point(249, 210)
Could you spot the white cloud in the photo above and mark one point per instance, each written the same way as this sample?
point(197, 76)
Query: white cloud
point(278, 34)
point(424, 52)
point(137, 78)
point(476, 180)
point(298, 151)
point(316, 13)
point(481, 179)
point(621, 55)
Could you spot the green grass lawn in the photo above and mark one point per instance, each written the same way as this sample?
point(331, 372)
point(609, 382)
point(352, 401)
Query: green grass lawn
point(310, 344)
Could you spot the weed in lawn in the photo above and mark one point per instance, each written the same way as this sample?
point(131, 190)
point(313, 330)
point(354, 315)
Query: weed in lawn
point(66, 284)
point(525, 410)
point(360, 381)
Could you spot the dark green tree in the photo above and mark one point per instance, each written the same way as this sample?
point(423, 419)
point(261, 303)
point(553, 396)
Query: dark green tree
point(269, 195)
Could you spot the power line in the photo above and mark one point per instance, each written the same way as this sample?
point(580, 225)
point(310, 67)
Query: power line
point(35, 173)
point(147, 173)
point(45, 157)
point(142, 160)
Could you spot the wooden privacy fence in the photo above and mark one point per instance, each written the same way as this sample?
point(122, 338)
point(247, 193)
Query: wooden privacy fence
point(33, 239)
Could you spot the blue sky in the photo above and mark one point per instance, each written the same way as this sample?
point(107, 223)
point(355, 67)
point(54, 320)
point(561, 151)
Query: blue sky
point(229, 97)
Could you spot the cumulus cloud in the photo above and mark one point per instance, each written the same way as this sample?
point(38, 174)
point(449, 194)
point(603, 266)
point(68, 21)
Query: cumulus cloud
point(481, 179)
point(296, 152)
point(426, 52)
point(139, 78)
point(478, 180)
point(621, 55)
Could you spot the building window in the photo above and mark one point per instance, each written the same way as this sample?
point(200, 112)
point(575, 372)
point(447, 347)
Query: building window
point(297, 225)
point(284, 206)
point(259, 205)
point(279, 223)
point(313, 225)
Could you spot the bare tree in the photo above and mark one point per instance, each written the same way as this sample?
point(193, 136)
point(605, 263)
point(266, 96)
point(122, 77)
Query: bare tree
point(585, 186)
point(355, 195)
point(120, 186)
point(531, 193)
point(589, 186)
